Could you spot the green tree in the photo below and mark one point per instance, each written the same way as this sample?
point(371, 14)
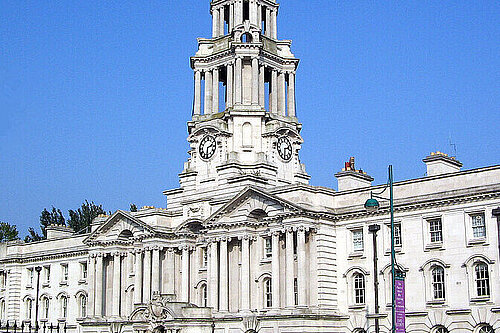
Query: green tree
point(81, 219)
point(53, 217)
point(8, 232)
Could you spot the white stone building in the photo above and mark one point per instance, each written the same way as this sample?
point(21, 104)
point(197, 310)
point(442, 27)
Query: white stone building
point(245, 244)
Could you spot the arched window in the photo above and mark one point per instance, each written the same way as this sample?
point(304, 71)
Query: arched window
point(359, 330)
point(268, 293)
point(246, 38)
point(485, 328)
point(359, 288)
point(82, 301)
point(438, 283)
point(64, 306)
point(29, 308)
point(45, 307)
point(482, 280)
point(203, 295)
point(125, 234)
point(439, 329)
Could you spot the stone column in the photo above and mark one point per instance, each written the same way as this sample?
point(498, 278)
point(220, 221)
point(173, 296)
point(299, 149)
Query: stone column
point(197, 93)
point(229, 86)
point(98, 284)
point(291, 94)
point(221, 19)
point(185, 274)
point(255, 81)
point(275, 267)
point(290, 274)
point(116, 283)
point(170, 271)
point(268, 22)
point(275, 91)
point(281, 94)
point(155, 276)
point(238, 12)
point(91, 273)
point(253, 12)
point(245, 273)
point(262, 87)
point(208, 92)
point(302, 265)
point(214, 273)
point(215, 90)
point(146, 297)
point(237, 80)
point(274, 30)
point(224, 279)
point(138, 277)
point(259, 17)
point(231, 17)
point(215, 23)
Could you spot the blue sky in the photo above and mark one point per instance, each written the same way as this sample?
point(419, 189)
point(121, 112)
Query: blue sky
point(95, 95)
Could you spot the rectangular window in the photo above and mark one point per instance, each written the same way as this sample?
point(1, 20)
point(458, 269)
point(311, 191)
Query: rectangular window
point(359, 289)
point(84, 270)
point(268, 247)
point(46, 270)
point(30, 277)
point(397, 235)
point(64, 307)
point(3, 279)
point(482, 280)
point(204, 253)
point(64, 272)
point(296, 291)
point(478, 226)
point(357, 240)
point(436, 230)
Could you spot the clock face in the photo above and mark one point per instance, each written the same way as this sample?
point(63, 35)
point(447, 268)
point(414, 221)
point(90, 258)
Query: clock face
point(207, 147)
point(284, 148)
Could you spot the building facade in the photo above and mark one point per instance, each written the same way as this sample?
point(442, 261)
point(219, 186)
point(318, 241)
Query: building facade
point(246, 244)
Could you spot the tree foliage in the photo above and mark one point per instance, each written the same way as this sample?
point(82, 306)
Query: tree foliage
point(8, 232)
point(81, 219)
point(53, 217)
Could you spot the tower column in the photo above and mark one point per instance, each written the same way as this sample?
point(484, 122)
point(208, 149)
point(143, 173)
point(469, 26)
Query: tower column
point(221, 20)
point(231, 17)
point(245, 273)
point(253, 12)
point(155, 276)
point(237, 80)
point(138, 277)
point(214, 273)
point(146, 285)
point(215, 23)
point(281, 94)
point(275, 267)
point(170, 271)
point(274, 30)
point(116, 283)
point(224, 301)
point(262, 87)
point(290, 292)
point(197, 93)
point(208, 92)
point(185, 274)
point(291, 94)
point(268, 23)
point(92, 279)
point(302, 265)
point(255, 81)
point(238, 12)
point(98, 285)
point(229, 85)
point(274, 91)
point(215, 90)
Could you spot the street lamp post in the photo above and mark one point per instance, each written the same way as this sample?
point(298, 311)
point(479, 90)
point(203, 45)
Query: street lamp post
point(38, 269)
point(372, 205)
point(374, 228)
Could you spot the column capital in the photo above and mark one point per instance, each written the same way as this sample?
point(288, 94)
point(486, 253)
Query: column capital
point(170, 249)
point(224, 239)
point(92, 255)
point(185, 247)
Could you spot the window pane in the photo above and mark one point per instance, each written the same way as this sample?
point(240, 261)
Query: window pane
point(435, 228)
point(478, 226)
point(359, 289)
point(438, 283)
point(357, 240)
point(482, 280)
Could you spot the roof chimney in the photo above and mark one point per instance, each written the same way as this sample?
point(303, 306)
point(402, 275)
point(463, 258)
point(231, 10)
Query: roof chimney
point(439, 163)
point(350, 178)
point(58, 231)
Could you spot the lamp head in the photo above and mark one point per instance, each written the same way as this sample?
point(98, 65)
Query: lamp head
point(371, 205)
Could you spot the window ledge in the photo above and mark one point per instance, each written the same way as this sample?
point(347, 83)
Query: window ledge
point(82, 281)
point(436, 302)
point(397, 249)
point(477, 241)
point(357, 307)
point(356, 254)
point(61, 320)
point(46, 284)
point(131, 274)
point(29, 286)
point(434, 246)
point(203, 269)
point(63, 283)
point(480, 299)
point(265, 260)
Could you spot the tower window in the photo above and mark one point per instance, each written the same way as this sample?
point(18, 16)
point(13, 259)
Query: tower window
point(246, 38)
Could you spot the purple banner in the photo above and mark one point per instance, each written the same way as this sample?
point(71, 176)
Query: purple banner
point(400, 305)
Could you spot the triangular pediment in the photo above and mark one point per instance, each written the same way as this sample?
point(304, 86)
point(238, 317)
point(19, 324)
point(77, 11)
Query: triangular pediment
point(119, 224)
point(252, 200)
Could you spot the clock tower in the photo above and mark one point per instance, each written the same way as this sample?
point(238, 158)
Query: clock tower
point(244, 129)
